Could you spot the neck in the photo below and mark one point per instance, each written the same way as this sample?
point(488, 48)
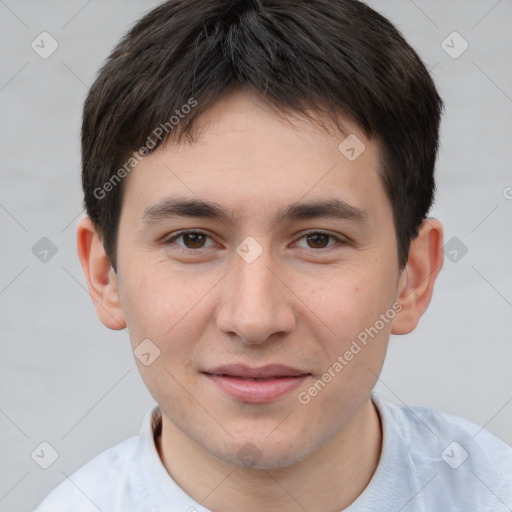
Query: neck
point(329, 479)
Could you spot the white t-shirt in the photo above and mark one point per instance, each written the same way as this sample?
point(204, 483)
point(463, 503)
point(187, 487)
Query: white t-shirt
point(431, 461)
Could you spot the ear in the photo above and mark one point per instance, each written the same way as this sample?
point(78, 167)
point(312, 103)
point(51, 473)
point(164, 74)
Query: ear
point(416, 282)
point(101, 278)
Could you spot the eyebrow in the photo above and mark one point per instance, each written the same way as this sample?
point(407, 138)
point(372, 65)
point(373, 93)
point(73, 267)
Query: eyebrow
point(179, 207)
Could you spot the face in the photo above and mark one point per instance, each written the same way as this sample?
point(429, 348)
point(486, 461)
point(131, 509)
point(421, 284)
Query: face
point(227, 288)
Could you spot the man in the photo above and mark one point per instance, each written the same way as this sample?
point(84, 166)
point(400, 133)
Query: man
point(257, 178)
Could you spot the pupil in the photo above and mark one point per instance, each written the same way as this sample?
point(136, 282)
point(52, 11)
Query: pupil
point(316, 238)
point(195, 244)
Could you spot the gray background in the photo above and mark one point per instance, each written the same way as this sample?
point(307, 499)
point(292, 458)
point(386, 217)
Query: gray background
point(67, 380)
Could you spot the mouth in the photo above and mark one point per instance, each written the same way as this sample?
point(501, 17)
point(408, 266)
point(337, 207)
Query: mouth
point(256, 385)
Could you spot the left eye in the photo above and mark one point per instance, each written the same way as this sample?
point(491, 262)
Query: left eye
point(191, 239)
point(196, 239)
point(319, 239)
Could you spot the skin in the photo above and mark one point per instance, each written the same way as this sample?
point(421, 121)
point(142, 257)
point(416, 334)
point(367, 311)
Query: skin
point(300, 303)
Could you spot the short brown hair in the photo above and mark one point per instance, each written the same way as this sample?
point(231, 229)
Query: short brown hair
point(331, 57)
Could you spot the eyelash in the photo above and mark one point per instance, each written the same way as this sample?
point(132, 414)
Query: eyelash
point(173, 238)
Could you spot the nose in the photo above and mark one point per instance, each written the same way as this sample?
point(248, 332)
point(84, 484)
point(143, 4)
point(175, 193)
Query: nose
point(256, 305)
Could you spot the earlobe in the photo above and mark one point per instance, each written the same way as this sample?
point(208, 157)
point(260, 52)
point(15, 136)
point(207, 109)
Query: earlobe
point(101, 279)
point(416, 282)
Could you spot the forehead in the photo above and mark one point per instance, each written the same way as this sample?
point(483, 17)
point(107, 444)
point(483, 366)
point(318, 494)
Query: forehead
point(250, 162)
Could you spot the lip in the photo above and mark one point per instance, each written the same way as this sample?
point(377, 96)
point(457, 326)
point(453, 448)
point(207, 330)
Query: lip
point(256, 385)
point(261, 372)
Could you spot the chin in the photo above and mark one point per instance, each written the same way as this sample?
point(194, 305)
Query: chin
point(261, 453)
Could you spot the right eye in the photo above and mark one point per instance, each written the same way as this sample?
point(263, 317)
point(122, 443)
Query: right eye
point(192, 239)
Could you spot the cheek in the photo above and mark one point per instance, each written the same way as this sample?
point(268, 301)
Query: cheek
point(158, 303)
point(166, 310)
point(354, 348)
point(352, 307)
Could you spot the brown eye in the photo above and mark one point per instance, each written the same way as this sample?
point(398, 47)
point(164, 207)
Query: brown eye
point(190, 240)
point(318, 240)
point(194, 240)
point(321, 241)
